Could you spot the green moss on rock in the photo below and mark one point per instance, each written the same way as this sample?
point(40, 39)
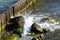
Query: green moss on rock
point(10, 37)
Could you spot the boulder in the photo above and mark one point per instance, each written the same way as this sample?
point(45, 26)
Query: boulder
point(14, 24)
point(18, 20)
point(36, 28)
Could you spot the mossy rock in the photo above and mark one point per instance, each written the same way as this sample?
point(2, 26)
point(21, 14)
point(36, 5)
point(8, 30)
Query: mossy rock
point(10, 37)
point(38, 38)
point(19, 30)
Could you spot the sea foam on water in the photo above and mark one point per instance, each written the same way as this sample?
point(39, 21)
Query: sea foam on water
point(33, 18)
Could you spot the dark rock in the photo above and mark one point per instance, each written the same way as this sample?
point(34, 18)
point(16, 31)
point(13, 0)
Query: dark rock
point(36, 28)
point(18, 20)
point(15, 23)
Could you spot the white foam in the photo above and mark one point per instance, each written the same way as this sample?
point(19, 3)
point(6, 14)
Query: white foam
point(28, 23)
point(30, 19)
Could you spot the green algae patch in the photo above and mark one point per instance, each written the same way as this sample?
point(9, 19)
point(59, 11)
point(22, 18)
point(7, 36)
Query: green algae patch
point(10, 37)
point(2, 28)
point(19, 30)
point(56, 20)
point(33, 34)
point(13, 36)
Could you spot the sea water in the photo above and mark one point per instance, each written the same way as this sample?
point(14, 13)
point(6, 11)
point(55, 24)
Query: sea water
point(5, 4)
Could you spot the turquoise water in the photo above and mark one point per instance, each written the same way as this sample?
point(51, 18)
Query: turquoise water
point(4, 4)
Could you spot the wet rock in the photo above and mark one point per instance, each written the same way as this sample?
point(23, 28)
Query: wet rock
point(36, 28)
point(14, 24)
point(50, 20)
point(44, 19)
point(18, 20)
point(38, 37)
point(37, 32)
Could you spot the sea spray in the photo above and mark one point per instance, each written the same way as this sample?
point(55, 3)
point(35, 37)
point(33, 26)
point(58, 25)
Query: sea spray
point(36, 18)
point(27, 26)
point(30, 19)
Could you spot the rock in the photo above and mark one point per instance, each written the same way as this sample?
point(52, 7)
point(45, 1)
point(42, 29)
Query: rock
point(36, 28)
point(38, 37)
point(44, 19)
point(18, 20)
point(21, 21)
point(53, 21)
point(14, 24)
point(50, 20)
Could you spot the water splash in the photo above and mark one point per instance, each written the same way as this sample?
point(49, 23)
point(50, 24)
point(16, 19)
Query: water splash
point(28, 23)
point(35, 18)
